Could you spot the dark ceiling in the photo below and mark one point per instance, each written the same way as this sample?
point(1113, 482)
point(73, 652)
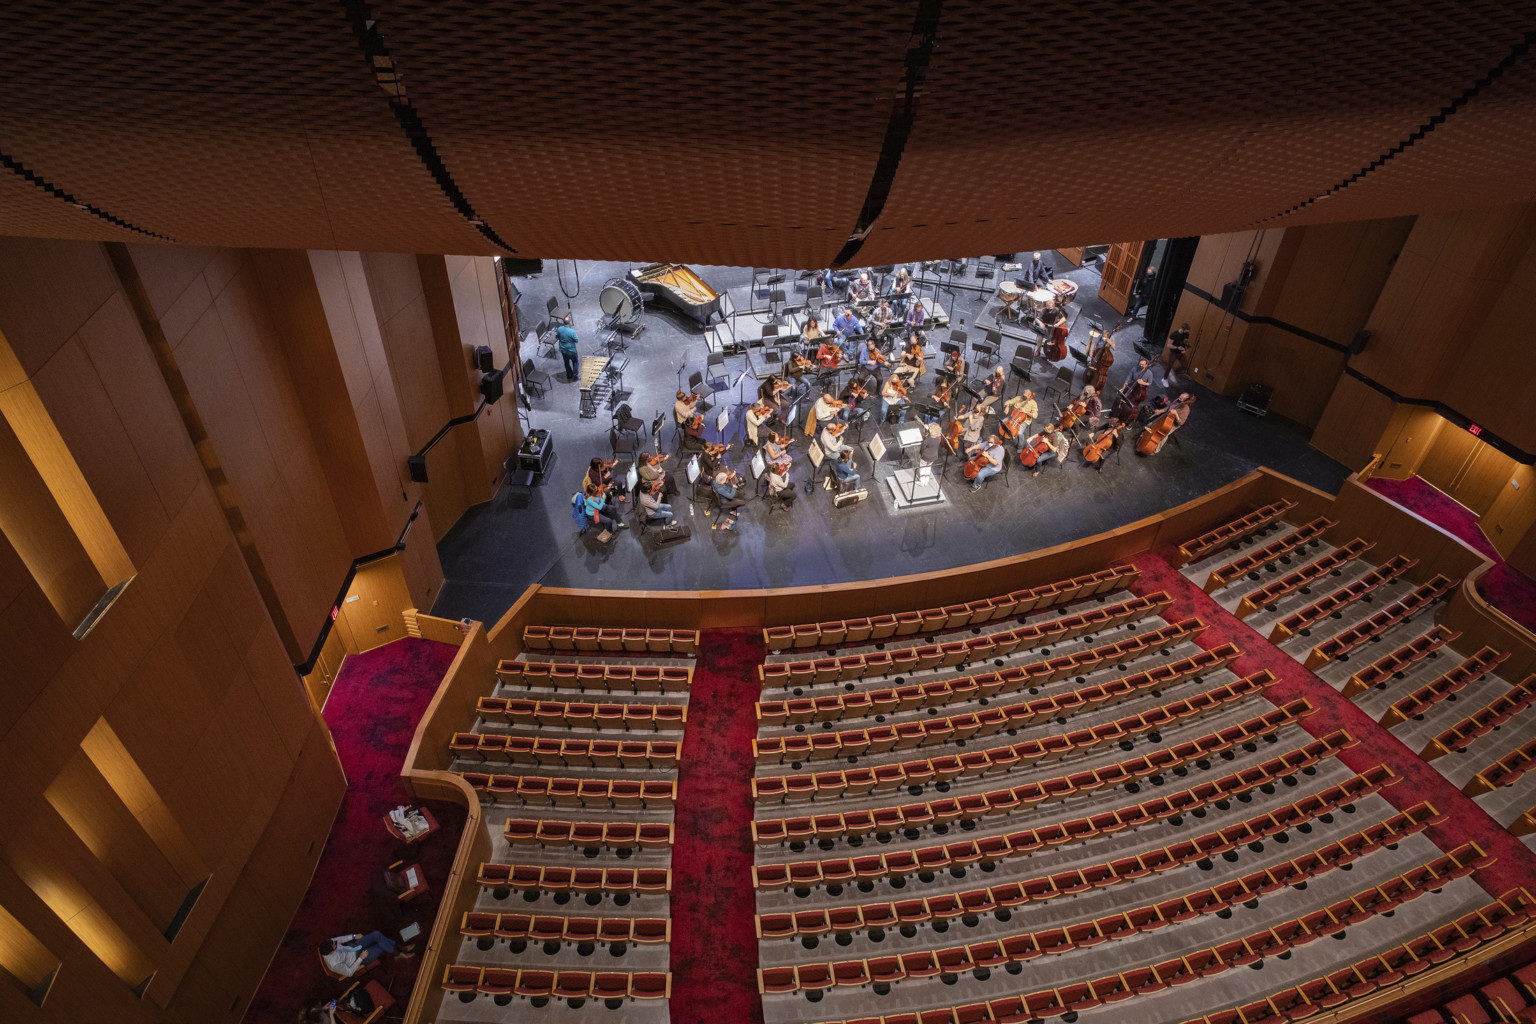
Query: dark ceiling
point(748, 132)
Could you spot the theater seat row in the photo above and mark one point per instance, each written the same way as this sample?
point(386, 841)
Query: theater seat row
point(939, 692)
point(1442, 686)
point(992, 720)
point(612, 931)
point(956, 616)
point(804, 673)
point(562, 714)
point(1452, 941)
point(1446, 942)
point(1480, 723)
point(1394, 664)
point(1304, 619)
point(1506, 771)
point(567, 752)
point(773, 831)
point(992, 848)
point(563, 792)
point(593, 638)
point(502, 983)
point(1404, 608)
point(884, 777)
point(614, 835)
point(1232, 531)
point(561, 879)
point(1267, 595)
point(1253, 561)
point(1025, 946)
point(595, 678)
point(972, 903)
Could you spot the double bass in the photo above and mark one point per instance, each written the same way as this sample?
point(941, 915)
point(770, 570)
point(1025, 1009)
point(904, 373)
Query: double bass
point(1056, 344)
point(1103, 359)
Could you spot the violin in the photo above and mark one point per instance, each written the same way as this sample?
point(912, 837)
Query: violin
point(1102, 444)
point(780, 386)
point(941, 394)
point(857, 390)
point(898, 386)
point(695, 425)
point(1151, 439)
point(714, 451)
point(879, 358)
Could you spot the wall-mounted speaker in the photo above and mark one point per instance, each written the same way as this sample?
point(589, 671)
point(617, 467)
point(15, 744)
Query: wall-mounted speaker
point(484, 361)
point(490, 385)
point(417, 464)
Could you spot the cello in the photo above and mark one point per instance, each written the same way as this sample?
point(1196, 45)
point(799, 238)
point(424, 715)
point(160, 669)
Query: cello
point(952, 435)
point(1151, 439)
point(1030, 454)
point(1097, 449)
point(1014, 422)
point(976, 463)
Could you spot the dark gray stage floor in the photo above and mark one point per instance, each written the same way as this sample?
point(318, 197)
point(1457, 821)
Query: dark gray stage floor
point(497, 549)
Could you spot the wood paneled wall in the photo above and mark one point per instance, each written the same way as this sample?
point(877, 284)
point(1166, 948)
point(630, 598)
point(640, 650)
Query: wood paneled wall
point(312, 376)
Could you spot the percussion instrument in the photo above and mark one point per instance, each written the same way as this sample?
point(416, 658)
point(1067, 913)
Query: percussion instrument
point(621, 300)
point(1010, 294)
point(1040, 298)
point(1064, 290)
point(591, 369)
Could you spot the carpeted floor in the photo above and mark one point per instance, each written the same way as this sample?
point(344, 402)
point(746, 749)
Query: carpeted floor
point(1466, 821)
point(372, 711)
point(714, 942)
point(1507, 589)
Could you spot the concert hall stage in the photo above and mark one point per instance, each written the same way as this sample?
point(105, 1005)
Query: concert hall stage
point(523, 537)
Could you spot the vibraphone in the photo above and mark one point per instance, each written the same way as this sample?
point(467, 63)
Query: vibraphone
point(595, 383)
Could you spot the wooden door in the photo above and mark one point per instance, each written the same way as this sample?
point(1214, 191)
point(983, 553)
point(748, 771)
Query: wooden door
point(1073, 255)
point(1119, 276)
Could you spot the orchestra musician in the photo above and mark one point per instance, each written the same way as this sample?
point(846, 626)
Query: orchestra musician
point(916, 314)
point(1037, 274)
point(1096, 452)
point(727, 487)
point(845, 469)
point(779, 485)
point(1058, 444)
point(600, 476)
point(776, 448)
point(1093, 405)
point(943, 395)
point(812, 330)
point(829, 355)
point(857, 389)
point(1054, 321)
point(1019, 414)
point(871, 359)
point(971, 421)
point(758, 415)
point(799, 365)
point(914, 362)
point(901, 289)
point(1101, 356)
point(860, 290)
point(596, 507)
point(954, 364)
point(682, 409)
point(1075, 410)
point(828, 409)
point(990, 456)
point(1157, 432)
point(894, 393)
point(832, 438)
point(652, 468)
point(770, 389)
point(847, 324)
point(1178, 354)
point(653, 507)
point(992, 388)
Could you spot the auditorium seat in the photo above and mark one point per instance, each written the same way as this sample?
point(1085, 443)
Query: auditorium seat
point(1301, 621)
point(1231, 531)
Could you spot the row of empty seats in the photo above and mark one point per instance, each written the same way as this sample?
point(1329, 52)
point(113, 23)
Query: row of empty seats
point(1272, 592)
point(1302, 620)
point(1232, 531)
point(773, 831)
point(1446, 942)
point(593, 638)
point(1506, 771)
point(470, 981)
point(1442, 686)
point(1455, 939)
point(971, 903)
point(1394, 664)
point(1032, 751)
point(938, 692)
point(570, 792)
point(614, 835)
point(946, 655)
point(1483, 721)
point(570, 675)
point(1404, 608)
point(1027, 945)
point(488, 928)
point(568, 752)
point(802, 875)
point(957, 616)
point(501, 878)
point(583, 714)
point(1509, 999)
point(1275, 550)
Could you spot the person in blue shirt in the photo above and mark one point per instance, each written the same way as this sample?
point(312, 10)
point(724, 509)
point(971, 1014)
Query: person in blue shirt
point(845, 469)
point(847, 324)
point(566, 341)
point(596, 503)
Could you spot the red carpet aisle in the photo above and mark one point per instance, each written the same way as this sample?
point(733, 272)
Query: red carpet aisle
point(1467, 822)
point(372, 712)
point(1508, 590)
point(714, 941)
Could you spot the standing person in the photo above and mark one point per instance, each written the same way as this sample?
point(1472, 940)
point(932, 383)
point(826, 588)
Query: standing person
point(1143, 292)
point(933, 444)
point(1178, 354)
point(971, 420)
point(566, 339)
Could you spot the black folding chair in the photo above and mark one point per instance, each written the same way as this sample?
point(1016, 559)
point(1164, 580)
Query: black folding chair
point(535, 378)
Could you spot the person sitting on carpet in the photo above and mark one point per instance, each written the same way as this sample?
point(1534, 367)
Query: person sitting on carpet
point(345, 955)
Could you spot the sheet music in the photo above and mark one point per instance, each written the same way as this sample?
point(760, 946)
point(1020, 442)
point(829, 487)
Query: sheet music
point(877, 448)
point(816, 454)
point(693, 469)
point(758, 465)
point(632, 478)
point(739, 377)
point(723, 419)
point(908, 436)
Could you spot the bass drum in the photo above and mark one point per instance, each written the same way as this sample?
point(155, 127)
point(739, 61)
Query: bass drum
point(620, 299)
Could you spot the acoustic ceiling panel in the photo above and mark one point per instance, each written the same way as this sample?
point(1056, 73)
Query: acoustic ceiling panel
point(753, 132)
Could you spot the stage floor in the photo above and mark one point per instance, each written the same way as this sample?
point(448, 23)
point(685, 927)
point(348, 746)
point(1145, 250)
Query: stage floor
point(497, 549)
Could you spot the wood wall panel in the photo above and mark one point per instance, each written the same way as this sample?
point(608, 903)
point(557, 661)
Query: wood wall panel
point(1513, 510)
point(1350, 428)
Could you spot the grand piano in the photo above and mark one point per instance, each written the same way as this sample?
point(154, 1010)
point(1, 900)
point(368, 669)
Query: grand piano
point(681, 288)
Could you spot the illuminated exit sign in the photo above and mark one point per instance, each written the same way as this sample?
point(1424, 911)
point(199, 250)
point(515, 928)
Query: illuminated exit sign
point(1474, 430)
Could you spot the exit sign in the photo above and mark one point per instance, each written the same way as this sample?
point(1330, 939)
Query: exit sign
point(1474, 429)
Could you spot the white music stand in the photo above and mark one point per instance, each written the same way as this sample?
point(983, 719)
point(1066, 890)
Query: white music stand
point(759, 465)
point(693, 470)
point(723, 420)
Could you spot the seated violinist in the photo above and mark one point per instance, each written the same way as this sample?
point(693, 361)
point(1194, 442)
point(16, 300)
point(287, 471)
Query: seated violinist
point(871, 359)
point(758, 415)
point(829, 355)
point(600, 478)
point(894, 393)
point(653, 468)
point(693, 432)
point(856, 390)
point(779, 485)
point(954, 364)
point(832, 438)
point(916, 314)
point(799, 364)
point(845, 469)
point(682, 409)
point(776, 448)
point(914, 362)
point(828, 409)
point(727, 487)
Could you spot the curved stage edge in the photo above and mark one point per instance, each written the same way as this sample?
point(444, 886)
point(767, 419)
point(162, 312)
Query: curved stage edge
point(1358, 510)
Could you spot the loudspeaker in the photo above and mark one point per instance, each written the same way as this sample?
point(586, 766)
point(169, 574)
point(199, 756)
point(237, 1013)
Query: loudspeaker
point(417, 464)
point(490, 385)
point(484, 361)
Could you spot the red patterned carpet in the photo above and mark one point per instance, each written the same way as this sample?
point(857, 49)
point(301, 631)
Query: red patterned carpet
point(714, 941)
point(1507, 589)
point(372, 712)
